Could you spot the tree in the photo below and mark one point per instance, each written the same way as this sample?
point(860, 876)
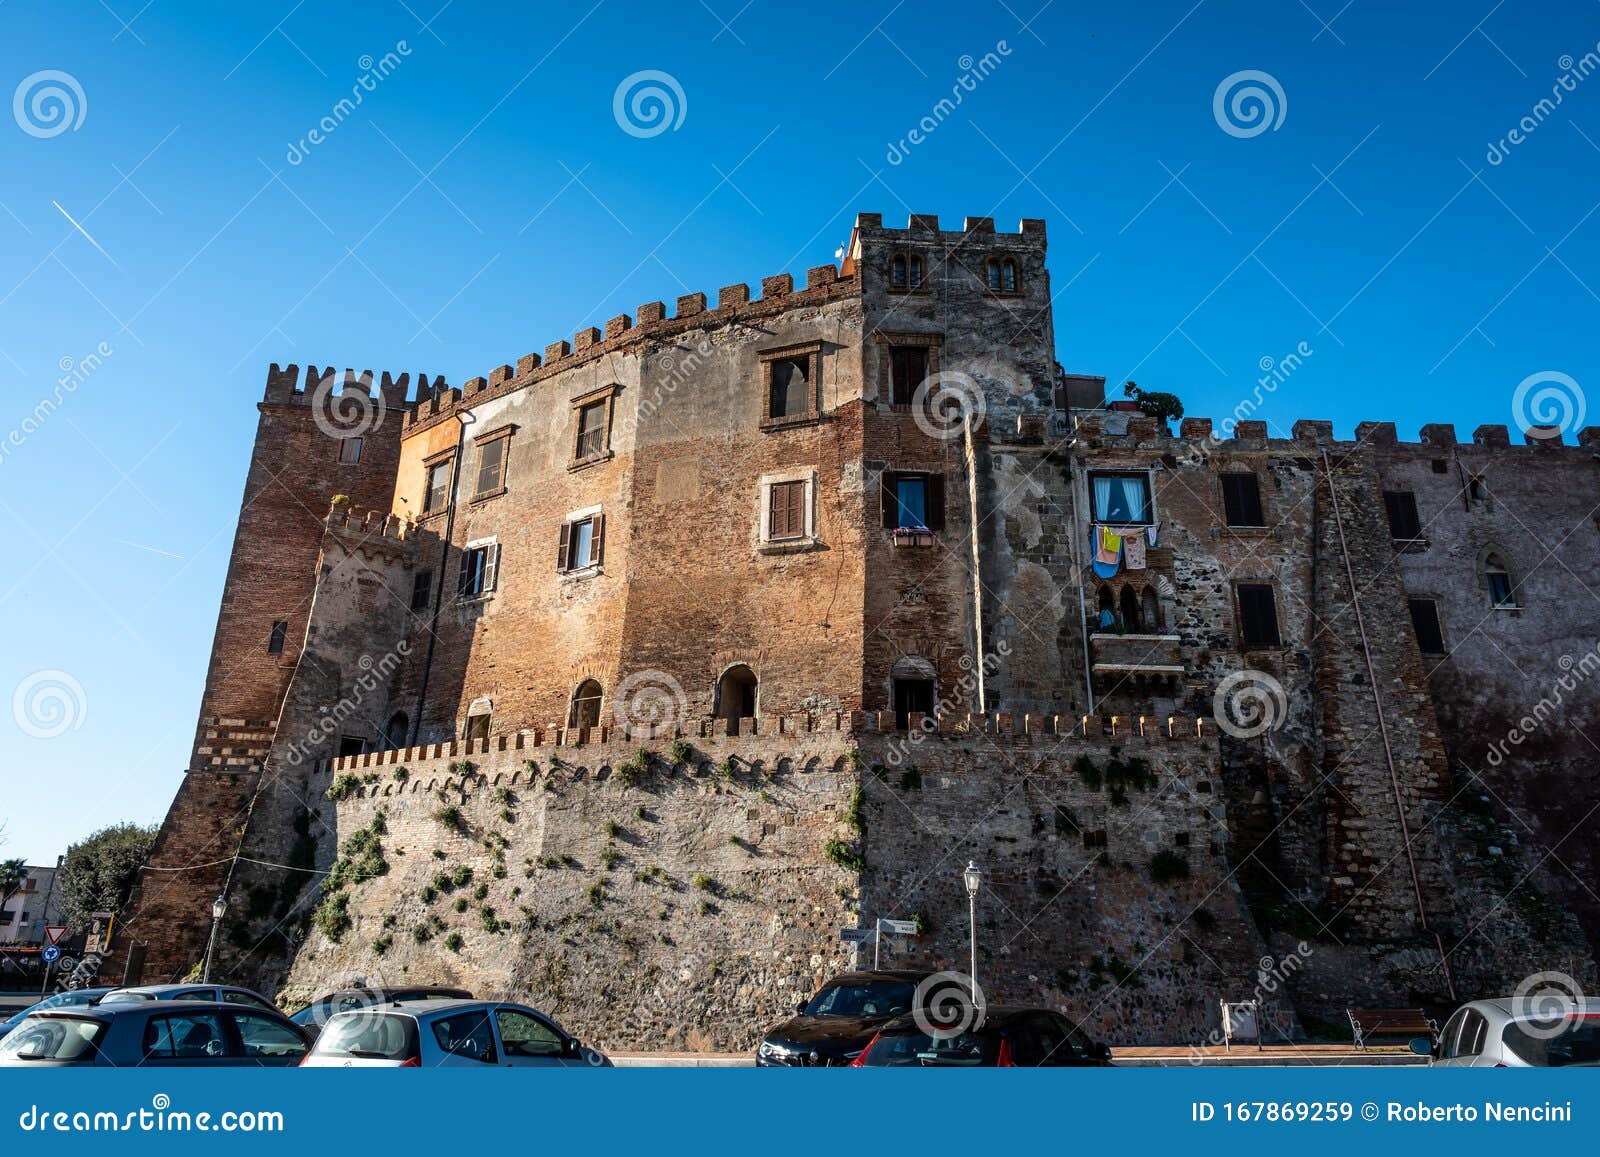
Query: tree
point(1154, 403)
point(13, 874)
point(100, 871)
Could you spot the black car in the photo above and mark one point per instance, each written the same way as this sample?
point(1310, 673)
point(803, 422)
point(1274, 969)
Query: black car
point(316, 1014)
point(835, 1025)
point(1004, 1038)
point(155, 1034)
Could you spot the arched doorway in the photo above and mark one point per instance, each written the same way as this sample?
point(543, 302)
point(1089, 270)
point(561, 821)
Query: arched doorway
point(737, 692)
point(586, 702)
point(396, 730)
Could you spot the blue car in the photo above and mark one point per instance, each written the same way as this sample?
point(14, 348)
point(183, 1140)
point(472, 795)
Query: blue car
point(71, 998)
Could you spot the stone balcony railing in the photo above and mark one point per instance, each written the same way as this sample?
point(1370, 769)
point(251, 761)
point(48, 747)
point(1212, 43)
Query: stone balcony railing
point(1136, 654)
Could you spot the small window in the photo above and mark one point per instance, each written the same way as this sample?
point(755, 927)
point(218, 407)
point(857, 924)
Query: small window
point(911, 697)
point(913, 501)
point(1440, 466)
point(897, 271)
point(591, 430)
point(1401, 505)
point(1241, 500)
point(582, 543)
point(1001, 275)
point(1425, 621)
point(1121, 498)
point(905, 271)
point(492, 464)
point(1502, 592)
point(351, 745)
point(438, 494)
point(477, 728)
point(908, 368)
point(396, 730)
point(350, 451)
point(1258, 615)
point(586, 702)
point(479, 563)
point(280, 632)
point(422, 590)
point(787, 391)
point(1477, 489)
point(786, 511)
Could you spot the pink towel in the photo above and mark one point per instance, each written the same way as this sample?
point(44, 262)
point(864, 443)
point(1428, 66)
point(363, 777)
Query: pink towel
point(1133, 552)
point(1108, 546)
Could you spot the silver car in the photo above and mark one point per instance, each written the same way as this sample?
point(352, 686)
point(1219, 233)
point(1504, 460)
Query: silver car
point(467, 1034)
point(1497, 1034)
point(225, 993)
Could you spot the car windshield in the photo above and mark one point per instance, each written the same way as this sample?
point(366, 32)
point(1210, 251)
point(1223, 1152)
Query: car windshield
point(1569, 1040)
point(914, 1047)
point(53, 1038)
point(862, 998)
point(324, 1010)
point(377, 1036)
point(72, 998)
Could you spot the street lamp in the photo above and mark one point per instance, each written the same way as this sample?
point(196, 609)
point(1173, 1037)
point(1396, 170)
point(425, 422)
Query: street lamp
point(973, 879)
point(219, 909)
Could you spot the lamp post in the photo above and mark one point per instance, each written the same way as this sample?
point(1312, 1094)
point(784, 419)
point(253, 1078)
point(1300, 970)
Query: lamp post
point(219, 909)
point(973, 879)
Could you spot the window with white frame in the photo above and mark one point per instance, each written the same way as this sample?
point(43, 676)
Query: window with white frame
point(480, 565)
point(582, 541)
point(788, 512)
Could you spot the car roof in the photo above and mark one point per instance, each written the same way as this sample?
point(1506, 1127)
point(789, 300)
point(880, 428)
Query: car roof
point(878, 974)
point(417, 1009)
point(148, 1007)
point(446, 992)
point(1532, 1008)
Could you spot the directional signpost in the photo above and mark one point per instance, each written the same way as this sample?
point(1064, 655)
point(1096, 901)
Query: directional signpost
point(858, 935)
point(893, 927)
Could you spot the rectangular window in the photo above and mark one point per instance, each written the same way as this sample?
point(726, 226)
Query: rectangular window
point(422, 590)
point(788, 391)
point(351, 745)
point(1425, 620)
point(492, 464)
point(350, 451)
point(479, 562)
point(591, 430)
point(1241, 500)
point(1121, 498)
point(908, 366)
point(1258, 615)
point(1401, 506)
point(437, 496)
point(786, 510)
point(582, 543)
point(913, 501)
point(280, 632)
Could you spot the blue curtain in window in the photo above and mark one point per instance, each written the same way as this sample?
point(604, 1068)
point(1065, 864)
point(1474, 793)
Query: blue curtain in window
point(911, 496)
point(1121, 500)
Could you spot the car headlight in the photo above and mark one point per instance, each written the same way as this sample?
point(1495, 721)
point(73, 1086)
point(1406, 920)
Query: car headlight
point(768, 1050)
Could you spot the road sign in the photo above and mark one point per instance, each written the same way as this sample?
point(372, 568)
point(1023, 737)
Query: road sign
point(900, 927)
point(51, 954)
point(858, 935)
point(54, 932)
point(99, 938)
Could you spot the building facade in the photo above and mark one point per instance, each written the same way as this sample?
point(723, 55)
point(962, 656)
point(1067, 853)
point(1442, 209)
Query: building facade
point(645, 664)
point(31, 909)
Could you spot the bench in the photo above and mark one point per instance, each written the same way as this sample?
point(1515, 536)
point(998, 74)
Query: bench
point(1367, 1023)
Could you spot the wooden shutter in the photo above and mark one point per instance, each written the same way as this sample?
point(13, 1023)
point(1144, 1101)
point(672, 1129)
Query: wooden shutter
point(491, 566)
point(797, 508)
point(465, 578)
point(562, 545)
point(889, 500)
point(934, 499)
point(597, 549)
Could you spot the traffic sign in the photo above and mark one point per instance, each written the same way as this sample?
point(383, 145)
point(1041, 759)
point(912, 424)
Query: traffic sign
point(54, 932)
point(900, 927)
point(858, 935)
point(51, 954)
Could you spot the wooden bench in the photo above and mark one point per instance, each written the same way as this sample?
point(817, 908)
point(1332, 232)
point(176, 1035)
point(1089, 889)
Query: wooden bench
point(1367, 1023)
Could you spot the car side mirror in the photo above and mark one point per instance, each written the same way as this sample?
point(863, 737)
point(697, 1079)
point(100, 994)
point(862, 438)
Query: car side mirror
point(572, 1047)
point(1423, 1046)
point(800, 1008)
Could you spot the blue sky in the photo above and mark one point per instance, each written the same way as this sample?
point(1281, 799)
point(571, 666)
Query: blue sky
point(484, 200)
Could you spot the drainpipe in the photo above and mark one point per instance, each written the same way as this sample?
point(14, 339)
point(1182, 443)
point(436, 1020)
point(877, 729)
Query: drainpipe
point(444, 557)
point(971, 454)
point(1383, 728)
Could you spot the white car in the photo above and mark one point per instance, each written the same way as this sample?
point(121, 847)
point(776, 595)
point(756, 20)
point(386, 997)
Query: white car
point(449, 1034)
point(1497, 1034)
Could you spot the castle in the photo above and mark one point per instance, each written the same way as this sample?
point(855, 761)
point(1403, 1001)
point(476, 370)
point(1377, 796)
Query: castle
point(624, 678)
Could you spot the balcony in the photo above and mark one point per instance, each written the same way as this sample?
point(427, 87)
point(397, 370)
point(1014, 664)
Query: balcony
point(1135, 654)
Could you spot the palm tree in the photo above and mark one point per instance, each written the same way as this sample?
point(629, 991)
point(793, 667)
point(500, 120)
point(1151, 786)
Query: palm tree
point(13, 874)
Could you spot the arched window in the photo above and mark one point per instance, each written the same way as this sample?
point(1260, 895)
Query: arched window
point(897, 271)
point(991, 272)
point(914, 270)
point(1502, 590)
point(396, 730)
point(1000, 274)
point(1108, 610)
point(737, 694)
point(1152, 610)
point(905, 271)
point(586, 704)
point(1131, 620)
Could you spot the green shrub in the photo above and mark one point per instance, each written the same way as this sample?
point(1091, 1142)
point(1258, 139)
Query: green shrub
point(704, 882)
point(853, 814)
point(382, 944)
point(450, 817)
point(461, 876)
point(843, 854)
point(453, 942)
point(490, 922)
point(461, 904)
point(679, 751)
point(480, 891)
point(343, 786)
point(401, 774)
point(333, 916)
point(422, 934)
point(428, 894)
point(597, 894)
point(632, 771)
point(613, 829)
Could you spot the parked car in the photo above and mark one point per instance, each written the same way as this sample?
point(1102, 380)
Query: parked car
point(154, 1034)
point(449, 1034)
point(315, 1015)
point(1005, 1038)
point(834, 1026)
point(1498, 1034)
point(68, 998)
point(225, 993)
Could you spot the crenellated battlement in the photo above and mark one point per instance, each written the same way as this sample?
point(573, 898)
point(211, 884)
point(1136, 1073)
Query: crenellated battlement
point(925, 227)
point(649, 322)
point(1109, 428)
point(286, 386)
